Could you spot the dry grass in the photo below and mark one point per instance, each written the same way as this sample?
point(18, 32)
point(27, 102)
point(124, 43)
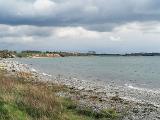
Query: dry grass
point(22, 99)
point(35, 100)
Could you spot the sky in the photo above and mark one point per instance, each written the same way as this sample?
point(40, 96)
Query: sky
point(104, 26)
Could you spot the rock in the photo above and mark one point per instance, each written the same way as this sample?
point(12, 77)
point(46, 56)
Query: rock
point(80, 88)
point(158, 117)
point(13, 70)
point(117, 98)
point(135, 110)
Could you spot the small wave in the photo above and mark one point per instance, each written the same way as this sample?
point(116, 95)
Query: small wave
point(33, 70)
point(140, 101)
point(45, 74)
point(142, 89)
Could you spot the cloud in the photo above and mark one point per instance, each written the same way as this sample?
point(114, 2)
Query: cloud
point(75, 33)
point(132, 37)
point(80, 25)
point(17, 40)
point(44, 5)
point(113, 38)
point(100, 15)
point(24, 30)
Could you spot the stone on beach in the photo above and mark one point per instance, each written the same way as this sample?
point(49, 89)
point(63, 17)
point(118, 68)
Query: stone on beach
point(90, 94)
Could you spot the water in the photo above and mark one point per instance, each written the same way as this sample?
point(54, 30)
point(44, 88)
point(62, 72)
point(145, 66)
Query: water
point(132, 74)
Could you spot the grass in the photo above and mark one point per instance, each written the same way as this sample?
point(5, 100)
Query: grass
point(24, 100)
point(87, 112)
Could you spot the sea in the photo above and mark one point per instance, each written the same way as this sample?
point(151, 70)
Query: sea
point(134, 77)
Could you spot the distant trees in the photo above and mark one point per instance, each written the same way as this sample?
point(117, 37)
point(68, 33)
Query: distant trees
point(92, 52)
point(32, 52)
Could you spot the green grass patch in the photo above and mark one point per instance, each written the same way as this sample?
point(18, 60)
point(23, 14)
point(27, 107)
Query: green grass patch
point(25, 100)
point(11, 112)
point(71, 106)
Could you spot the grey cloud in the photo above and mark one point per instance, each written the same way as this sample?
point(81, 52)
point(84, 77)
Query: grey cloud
point(80, 25)
point(121, 39)
point(25, 30)
point(91, 14)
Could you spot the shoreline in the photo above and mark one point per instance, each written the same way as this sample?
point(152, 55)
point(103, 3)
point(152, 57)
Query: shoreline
point(94, 96)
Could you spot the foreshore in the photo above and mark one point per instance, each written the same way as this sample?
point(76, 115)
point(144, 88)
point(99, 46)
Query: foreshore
point(89, 94)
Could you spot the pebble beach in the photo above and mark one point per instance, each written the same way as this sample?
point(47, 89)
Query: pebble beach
point(94, 95)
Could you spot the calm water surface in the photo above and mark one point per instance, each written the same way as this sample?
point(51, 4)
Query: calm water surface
point(137, 71)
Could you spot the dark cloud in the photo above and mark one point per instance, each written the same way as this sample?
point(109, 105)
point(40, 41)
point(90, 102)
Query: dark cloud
point(80, 25)
point(93, 14)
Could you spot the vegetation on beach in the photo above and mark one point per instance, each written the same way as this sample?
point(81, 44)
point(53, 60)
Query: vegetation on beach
point(32, 53)
point(21, 99)
point(7, 54)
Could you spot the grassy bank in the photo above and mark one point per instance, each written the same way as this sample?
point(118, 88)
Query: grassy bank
point(24, 100)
